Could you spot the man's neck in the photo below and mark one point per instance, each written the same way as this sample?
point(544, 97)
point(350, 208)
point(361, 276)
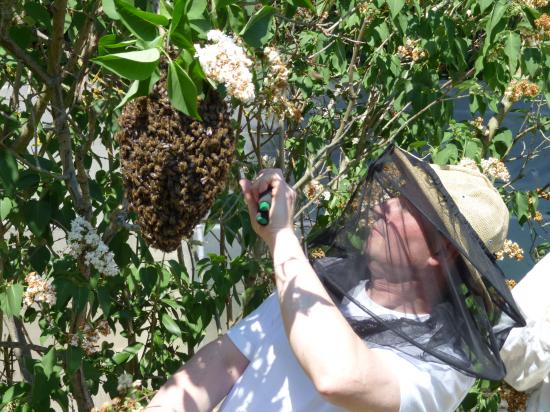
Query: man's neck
point(396, 297)
point(410, 296)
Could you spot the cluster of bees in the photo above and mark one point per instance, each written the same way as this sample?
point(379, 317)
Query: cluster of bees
point(173, 166)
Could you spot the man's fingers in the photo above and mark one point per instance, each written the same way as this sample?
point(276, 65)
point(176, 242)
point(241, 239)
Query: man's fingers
point(267, 178)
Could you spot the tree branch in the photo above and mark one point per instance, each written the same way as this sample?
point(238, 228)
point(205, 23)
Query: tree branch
point(21, 347)
point(83, 37)
point(55, 47)
point(36, 348)
point(83, 206)
point(34, 167)
point(82, 176)
point(24, 57)
point(29, 128)
point(339, 135)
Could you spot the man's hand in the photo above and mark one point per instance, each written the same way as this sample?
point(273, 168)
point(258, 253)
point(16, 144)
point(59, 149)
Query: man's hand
point(282, 207)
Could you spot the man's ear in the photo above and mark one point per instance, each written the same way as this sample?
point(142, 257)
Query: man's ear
point(445, 253)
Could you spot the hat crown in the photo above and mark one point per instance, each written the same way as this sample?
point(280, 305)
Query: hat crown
point(478, 201)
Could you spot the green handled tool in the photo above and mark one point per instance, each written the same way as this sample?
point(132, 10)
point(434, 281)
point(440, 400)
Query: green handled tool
point(264, 204)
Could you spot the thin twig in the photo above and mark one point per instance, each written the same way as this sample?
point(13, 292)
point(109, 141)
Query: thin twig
point(36, 348)
point(8, 44)
point(37, 111)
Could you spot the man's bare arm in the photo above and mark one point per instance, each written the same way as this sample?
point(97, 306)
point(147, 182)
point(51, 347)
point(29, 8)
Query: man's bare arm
point(340, 365)
point(203, 381)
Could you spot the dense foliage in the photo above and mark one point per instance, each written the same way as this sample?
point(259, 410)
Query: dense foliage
point(332, 83)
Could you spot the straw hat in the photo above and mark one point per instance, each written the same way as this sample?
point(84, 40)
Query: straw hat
point(478, 201)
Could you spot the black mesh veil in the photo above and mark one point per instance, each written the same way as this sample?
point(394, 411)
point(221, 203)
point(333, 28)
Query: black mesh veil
point(410, 263)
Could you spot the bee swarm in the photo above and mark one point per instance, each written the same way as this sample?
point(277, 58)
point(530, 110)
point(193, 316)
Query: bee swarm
point(173, 166)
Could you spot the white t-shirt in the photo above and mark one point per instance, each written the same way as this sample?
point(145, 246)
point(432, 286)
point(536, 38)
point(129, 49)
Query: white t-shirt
point(274, 381)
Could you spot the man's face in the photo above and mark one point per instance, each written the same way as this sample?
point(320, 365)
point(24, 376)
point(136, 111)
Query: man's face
point(398, 239)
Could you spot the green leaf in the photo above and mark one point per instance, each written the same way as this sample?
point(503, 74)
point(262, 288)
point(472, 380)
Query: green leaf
point(178, 14)
point(196, 9)
point(473, 149)
point(148, 277)
point(256, 31)
point(201, 26)
point(37, 214)
point(383, 31)
point(141, 23)
point(484, 4)
point(110, 42)
point(6, 205)
point(130, 94)
point(171, 325)
point(127, 354)
point(39, 258)
point(48, 362)
point(104, 299)
point(223, 3)
point(395, 6)
point(522, 206)
point(73, 357)
point(8, 170)
point(512, 49)
point(303, 3)
point(14, 392)
point(80, 297)
point(503, 142)
point(39, 13)
point(134, 65)
point(532, 60)
point(181, 91)
point(14, 299)
point(110, 9)
point(496, 17)
point(139, 88)
point(449, 154)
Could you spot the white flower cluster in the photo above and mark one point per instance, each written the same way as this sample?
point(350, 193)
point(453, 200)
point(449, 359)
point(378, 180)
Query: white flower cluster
point(276, 85)
point(411, 51)
point(88, 337)
point(510, 249)
point(315, 190)
point(495, 169)
point(38, 290)
point(534, 3)
point(277, 74)
point(84, 239)
point(226, 62)
point(268, 162)
point(478, 124)
point(124, 382)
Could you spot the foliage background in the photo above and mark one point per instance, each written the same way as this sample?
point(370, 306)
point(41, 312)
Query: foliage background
point(361, 74)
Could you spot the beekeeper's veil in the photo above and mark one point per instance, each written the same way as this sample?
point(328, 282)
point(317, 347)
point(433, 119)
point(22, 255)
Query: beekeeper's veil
point(410, 263)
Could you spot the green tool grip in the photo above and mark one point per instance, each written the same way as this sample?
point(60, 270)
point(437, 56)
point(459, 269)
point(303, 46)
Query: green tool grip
point(264, 204)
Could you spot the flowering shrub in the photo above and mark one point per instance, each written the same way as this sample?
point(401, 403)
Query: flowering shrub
point(83, 240)
point(227, 63)
point(315, 87)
